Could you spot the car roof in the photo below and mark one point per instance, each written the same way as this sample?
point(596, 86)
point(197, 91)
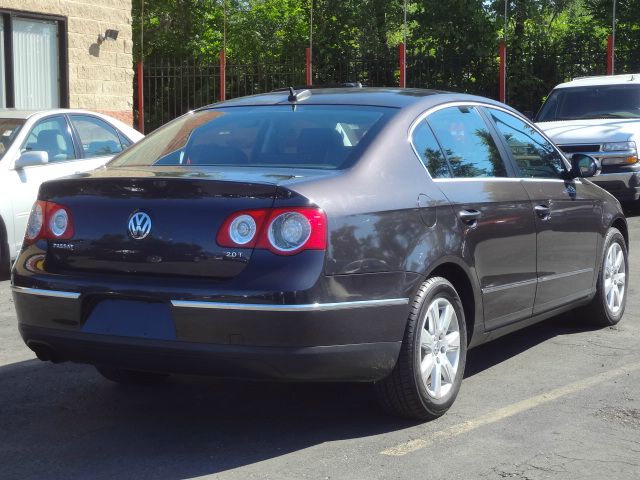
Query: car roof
point(382, 97)
point(632, 78)
point(25, 114)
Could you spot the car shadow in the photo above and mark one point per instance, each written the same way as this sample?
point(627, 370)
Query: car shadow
point(493, 353)
point(65, 421)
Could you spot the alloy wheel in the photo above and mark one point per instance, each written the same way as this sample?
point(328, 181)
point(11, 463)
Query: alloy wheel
point(614, 278)
point(439, 348)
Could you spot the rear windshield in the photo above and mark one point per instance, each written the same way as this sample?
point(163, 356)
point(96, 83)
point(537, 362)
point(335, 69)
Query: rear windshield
point(9, 128)
point(601, 101)
point(305, 136)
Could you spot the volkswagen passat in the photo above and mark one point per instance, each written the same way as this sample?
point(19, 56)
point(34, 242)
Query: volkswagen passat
point(368, 235)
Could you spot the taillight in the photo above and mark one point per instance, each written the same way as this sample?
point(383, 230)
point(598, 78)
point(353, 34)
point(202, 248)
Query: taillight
point(49, 221)
point(284, 231)
point(241, 229)
point(36, 222)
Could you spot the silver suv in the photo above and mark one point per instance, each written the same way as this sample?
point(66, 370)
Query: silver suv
point(599, 116)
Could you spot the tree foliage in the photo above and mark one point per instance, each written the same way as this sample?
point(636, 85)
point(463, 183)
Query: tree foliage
point(451, 44)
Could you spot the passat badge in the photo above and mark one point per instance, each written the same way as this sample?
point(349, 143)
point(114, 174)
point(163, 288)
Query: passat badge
point(139, 225)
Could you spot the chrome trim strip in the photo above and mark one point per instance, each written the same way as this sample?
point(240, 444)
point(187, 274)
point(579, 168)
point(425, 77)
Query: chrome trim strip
point(553, 180)
point(478, 179)
point(311, 307)
point(563, 275)
point(609, 154)
point(46, 293)
point(506, 286)
point(620, 174)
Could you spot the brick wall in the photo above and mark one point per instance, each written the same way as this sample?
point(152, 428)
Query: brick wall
point(100, 75)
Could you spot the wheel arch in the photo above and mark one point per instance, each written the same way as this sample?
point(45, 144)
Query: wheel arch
point(462, 280)
point(621, 224)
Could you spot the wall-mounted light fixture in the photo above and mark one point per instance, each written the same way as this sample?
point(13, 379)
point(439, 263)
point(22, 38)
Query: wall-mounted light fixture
point(109, 35)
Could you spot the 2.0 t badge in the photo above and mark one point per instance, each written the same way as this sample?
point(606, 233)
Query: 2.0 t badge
point(139, 225)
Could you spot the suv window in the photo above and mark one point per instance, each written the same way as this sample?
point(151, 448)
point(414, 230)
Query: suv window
point(467, 143)
point(597, 101)
point(534, 155)
point(97, 137)
point(51, 135)
point(429, 151)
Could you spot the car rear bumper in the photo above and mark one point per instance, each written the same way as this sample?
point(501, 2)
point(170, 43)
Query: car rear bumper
point(356, 362)
point(330, 341)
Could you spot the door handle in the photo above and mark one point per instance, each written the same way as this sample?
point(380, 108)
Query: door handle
point(469, 217)
point(543, 211)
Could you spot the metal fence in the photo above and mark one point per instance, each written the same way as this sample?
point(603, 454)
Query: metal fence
point(175, 86)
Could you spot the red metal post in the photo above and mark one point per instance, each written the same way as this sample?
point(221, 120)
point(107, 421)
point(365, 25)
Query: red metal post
point(309, 64)
point(140, 72)
point(610, 55)
point(502, 80)
point(223, 77)
point(403, 65)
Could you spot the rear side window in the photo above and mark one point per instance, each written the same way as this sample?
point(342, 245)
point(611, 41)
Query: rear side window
point(429, 151)
point(307, 136)
point(467, 143)
point(97, 137)
point(534, 155)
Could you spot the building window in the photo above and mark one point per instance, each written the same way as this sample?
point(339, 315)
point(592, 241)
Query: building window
point(33, 67)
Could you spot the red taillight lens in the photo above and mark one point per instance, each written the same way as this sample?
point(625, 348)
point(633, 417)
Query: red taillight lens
point(49, 221)
point(59, 222)
point(291, 230)
point(284, 231)
point(241, 229)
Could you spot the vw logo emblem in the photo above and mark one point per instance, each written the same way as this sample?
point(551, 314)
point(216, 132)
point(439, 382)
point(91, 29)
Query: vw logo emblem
point(139, 225)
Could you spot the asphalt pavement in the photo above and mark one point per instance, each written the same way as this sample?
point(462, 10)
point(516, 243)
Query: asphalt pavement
point(558, 400)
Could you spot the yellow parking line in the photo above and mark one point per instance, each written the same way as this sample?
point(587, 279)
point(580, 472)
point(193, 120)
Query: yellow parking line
point(508, 411)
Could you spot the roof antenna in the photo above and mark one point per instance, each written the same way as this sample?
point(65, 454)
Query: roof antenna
point(298, 96)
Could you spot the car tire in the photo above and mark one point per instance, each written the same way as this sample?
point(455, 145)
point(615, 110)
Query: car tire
point(439, 350)
point(131, 377)
point(607, 307)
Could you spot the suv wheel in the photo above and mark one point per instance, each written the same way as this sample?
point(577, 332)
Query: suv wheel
point(427, 377)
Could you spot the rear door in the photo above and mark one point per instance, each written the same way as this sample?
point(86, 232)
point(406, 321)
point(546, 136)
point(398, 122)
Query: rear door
point(493, 209)
point(567, 214)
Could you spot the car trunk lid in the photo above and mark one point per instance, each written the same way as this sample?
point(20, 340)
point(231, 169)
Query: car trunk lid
point(185, 213)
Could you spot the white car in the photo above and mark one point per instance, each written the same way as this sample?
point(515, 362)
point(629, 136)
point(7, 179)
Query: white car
point(599, 116)
point(36, 146)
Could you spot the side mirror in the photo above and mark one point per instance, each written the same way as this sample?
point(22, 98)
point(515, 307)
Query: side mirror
point(584, 166)
point(31, 158)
